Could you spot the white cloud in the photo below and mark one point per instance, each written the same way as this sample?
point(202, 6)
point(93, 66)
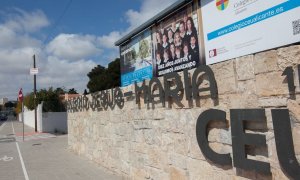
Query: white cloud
point(12, 39)
point(148, 9)
point(73, 46)
point(108, 41)
point(64, 62)
point(59, 72)
point(22, 21)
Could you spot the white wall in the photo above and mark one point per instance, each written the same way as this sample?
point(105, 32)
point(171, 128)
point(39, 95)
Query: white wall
point(46, 122)
point(29, 117)
point(54, 121)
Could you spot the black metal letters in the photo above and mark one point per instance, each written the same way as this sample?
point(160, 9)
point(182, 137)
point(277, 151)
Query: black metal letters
point(289, 72)
point(284, 142)
point(240, 139)
point(201, 132)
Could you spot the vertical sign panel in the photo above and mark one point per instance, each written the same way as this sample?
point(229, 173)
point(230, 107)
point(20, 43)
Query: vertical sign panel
point(176, 42)
point(136, 59)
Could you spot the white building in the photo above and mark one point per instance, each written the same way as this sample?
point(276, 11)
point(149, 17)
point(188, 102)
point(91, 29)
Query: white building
point(3, 101)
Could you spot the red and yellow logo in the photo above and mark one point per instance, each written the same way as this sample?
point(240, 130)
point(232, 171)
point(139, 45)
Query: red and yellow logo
point(222, 4)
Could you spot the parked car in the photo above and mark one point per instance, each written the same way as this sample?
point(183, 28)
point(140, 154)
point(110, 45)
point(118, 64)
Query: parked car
point(3, 117)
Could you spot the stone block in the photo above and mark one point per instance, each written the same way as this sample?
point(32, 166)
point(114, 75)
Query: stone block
point(265, 62)
point(180, 144)
point(157, 173)
point(294, 109)
point(137, 174)
point(288, 56)
point(271, 84)
point(177, 174)
point(220, 135)
point(237, 101)
point(246, 87)
point(141, 124)
point(266, 102)
point(225, 70)
point(244, 68)
point(177, 160)
point(152, 137)
point(156, 158)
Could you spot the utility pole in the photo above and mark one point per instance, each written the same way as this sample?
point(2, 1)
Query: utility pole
point(35, 109)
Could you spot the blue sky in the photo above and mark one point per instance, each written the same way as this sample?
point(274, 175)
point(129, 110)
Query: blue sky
point(66, 48)
point(86, 17)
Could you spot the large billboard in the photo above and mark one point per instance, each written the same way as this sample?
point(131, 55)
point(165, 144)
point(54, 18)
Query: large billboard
point(176, 42)
point(234, 28)
point(136, 59)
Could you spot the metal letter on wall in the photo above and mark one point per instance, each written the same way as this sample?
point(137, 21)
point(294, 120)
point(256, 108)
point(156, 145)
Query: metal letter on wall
point(155, 85)
point(299, 74)
point(202, 133)
point(240, 139)
point(284, 142)
point(141, 90)
point(173, 94)
point(188, 85)
point(196, 81)
point(289, 72)
point(118, 97)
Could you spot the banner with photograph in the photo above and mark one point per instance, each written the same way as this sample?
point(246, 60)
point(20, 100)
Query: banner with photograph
point(176, 42)
point(136, 59)
point(234, 28)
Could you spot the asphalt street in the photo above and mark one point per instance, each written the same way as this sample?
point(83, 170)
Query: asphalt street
point(42, 156)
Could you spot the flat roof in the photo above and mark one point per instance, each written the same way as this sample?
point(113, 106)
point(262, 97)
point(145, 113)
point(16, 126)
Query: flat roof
point(152, 21)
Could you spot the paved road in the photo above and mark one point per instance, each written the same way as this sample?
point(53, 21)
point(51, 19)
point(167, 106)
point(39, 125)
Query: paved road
point(42, 157)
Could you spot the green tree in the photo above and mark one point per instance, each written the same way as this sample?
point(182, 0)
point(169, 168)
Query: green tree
point(50, 99)
point(85, 92)
point(60, 90)
point(101, 78)
point(9, 104)
point(72, 91)
point(144, 49)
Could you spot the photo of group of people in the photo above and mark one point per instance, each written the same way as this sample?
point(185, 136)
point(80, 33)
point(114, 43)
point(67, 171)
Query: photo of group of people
point(176, 44)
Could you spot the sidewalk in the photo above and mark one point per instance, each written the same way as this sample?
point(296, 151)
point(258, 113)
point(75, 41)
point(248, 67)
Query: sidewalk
point(45, 157)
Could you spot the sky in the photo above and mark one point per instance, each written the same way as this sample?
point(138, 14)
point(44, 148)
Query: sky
point(68, 38)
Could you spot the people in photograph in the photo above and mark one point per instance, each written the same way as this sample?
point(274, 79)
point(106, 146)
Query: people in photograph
point(162, 31)
point(158, 58)
point(186, 53)
point(193, 43)
point(165, 43)
point(194, 48)
point(172, 52)
point(185, 18)
point(166, 55)
point(158, 41)
point(174, 29)
point(177, 39)
point(178, 52)
point(191, 30)
point(170, 36)
point(182, 31)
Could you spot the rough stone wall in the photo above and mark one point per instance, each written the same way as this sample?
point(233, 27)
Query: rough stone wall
point(161, 143)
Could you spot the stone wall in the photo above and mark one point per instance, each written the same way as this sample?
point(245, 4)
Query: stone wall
point(160, 143)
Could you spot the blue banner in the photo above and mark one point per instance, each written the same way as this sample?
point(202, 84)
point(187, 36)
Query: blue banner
point(136, 76)
point(276, 10)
